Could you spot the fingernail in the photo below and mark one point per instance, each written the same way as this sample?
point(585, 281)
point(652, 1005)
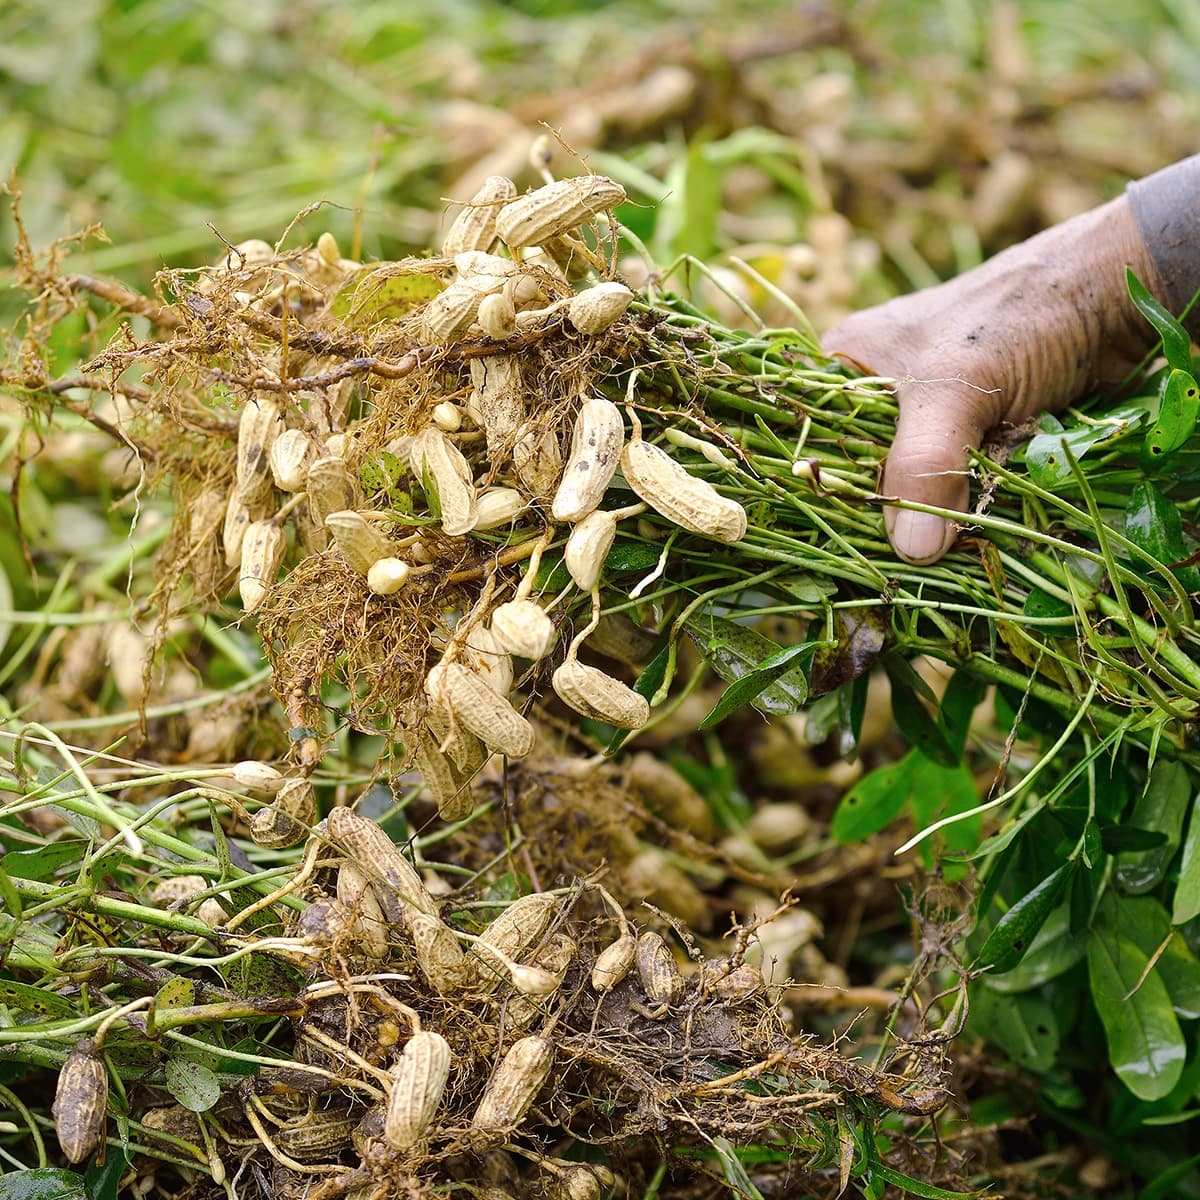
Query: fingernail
point(921, 537)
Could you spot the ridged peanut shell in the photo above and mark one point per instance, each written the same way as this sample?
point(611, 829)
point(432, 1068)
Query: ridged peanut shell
point(418, 1080)
point(592, 693)
point(523, 628)
point(680, 496)
point(596, 439)
point(514, 1085)
point(474, 226)
point(80, 1102)
point(556, 208)
point(597, 308)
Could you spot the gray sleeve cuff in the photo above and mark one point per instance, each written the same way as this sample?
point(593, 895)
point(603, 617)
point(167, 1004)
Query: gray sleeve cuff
point(1166, 208)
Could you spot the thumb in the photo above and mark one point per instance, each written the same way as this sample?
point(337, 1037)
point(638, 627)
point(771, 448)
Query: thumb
point(939, 423)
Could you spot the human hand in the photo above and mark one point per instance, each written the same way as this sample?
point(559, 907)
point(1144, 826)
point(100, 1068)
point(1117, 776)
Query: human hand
point(1028, 331)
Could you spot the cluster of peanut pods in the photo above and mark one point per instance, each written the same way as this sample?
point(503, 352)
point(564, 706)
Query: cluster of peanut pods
point(488, 459)
point(398, 1084)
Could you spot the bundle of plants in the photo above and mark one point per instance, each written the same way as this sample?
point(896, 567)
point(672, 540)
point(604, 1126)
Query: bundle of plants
point(494, 503)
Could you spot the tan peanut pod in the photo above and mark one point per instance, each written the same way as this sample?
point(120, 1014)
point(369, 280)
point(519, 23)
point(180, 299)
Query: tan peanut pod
point(327, 248)
point(312, 1139)
point(524, 289)
point(441, 959)
point(447, 416)
point(81, 1101)
point(387, 575)
point(273, 828)
point(591, 692)
point(441, 465)
point(497, 507)
point(336, 445)
point(579, 1181)
point(679, 495)
point(556, 208)
point(476, 707)
point(572, 255)
point(233, 532)
point(297, 798)
point(177, 888)
point(371, 849)
point(619, 637)
point(467, 753)
point(498, 392)
point(661, 980)
point(327, 922)
point(173, 1120)
point(614, 963)
point(514, 1085)
point(588, 547)
point(523, 628)
point(537, 460)
point(474, 227)
point(514, 932)
point(331, 488)
point(292, 453)
point(447, 316)
point(262, 552)
point(497, 316)
point(667, 793)
point(554, 959)
point(361, 543)
point(355, 892)
point(257, 778)
point(596, 440)
point(418, 1080)
point(599, 307)
point(484, 654)
point(450, 791)
point(260, 423)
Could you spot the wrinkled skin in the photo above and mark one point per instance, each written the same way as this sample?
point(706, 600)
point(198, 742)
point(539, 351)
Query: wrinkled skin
point(1030, 330)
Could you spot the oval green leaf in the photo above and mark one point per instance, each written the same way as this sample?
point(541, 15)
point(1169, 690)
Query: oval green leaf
point(1145, 1045)
point(1187, 890)
point(1177, 413)
point(1160, 808)
point(1014, 933)
point(1177, 346)
point(194, 1085)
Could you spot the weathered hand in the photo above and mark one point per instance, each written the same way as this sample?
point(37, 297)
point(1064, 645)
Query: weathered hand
point(1029, 330)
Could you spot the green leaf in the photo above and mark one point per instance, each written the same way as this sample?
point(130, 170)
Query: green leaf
point(45, 861)
point(194, 1085)
point(874, 801)
point(1023, 1026)
point(1147, 924)
point(1161, 807)
point(42, 1183)
point(1177, 345)
point(1045, 459)
point(1187, 890)
point(1121, 839)
point(380, 293)
point(1054, 950)
point(1013, 934)
point(753, 683)
point(735, 651)
point(914, 1187)
point(1145, 1045)
point(1177, 414)
point(735, 1174)
point(179, 992)
point(24, 997)
point(963, 695)
point(1153, 524)
point(1163, 1185)
point(104, 1180)
point(916, 722)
